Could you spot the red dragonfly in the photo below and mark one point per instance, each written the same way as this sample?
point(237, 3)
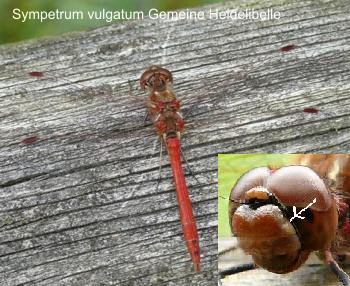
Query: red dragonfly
point(271, 214)
point(164, 110)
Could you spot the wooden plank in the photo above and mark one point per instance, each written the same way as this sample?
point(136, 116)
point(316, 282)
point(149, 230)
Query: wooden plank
point(78, 201)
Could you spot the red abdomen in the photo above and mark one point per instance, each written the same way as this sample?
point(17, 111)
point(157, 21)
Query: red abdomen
point(185, 207)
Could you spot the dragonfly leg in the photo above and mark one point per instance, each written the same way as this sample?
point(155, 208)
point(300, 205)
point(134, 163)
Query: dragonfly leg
point(145, 118)
point(160, 164)
point(336, 269)
point(340, 273)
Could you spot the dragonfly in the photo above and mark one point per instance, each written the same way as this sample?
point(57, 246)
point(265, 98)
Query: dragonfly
point(262, 214)
point(164, 109)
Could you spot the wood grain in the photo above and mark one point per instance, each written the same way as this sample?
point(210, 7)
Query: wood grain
point(79, 168)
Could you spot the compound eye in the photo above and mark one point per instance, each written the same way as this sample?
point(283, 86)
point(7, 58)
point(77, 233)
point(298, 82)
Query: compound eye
point(146, 78)
point(298, 186)
point(144, 81)
point(142, 84)
point(253, 178)
point(165, 75)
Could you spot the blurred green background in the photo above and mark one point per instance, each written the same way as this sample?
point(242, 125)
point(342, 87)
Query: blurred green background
point(14, 30)
point(230, 168)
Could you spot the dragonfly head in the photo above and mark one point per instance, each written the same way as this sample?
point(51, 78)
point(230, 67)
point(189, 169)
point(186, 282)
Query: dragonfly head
point(262, 204)
point(155, 78)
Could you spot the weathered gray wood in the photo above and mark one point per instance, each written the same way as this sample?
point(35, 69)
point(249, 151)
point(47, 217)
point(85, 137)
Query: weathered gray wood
point(80, 205)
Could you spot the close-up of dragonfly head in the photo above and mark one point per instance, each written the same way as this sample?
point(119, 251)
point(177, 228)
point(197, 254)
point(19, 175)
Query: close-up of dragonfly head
point(280, 216)
point(267, 231)
point(155, 78)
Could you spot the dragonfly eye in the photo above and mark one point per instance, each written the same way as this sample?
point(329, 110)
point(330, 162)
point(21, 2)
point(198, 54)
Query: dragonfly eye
point(298, 186)
point(260, 216)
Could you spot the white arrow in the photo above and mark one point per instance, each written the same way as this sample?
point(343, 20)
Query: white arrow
point(296, 215)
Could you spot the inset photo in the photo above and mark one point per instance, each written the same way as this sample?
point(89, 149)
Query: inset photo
point(283, 219)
